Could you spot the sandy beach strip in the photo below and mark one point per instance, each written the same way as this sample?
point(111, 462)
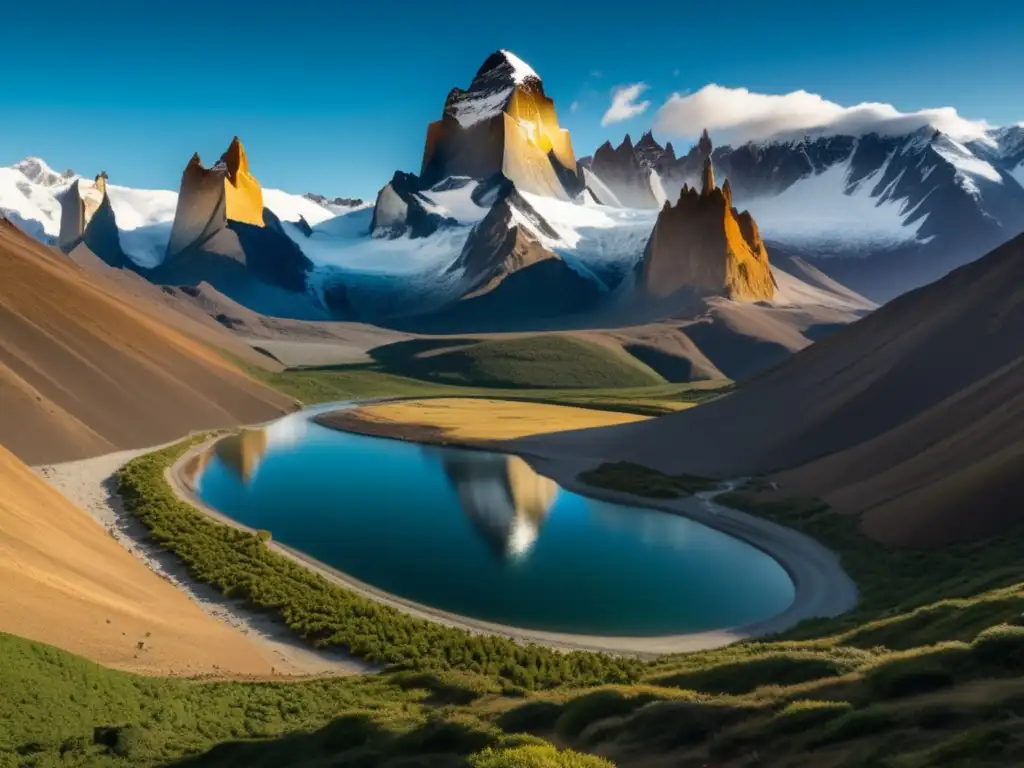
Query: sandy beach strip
point(91, 484)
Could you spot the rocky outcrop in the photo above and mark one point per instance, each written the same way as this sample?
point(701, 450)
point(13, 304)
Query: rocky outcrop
point(502, 124)
point(87, 216)
point(211, 197)
point(338, 202)
point(704, 245)
point(78, 205)
point(223, 235)
point(507, 276)
point(622, 171)
point(401, 210)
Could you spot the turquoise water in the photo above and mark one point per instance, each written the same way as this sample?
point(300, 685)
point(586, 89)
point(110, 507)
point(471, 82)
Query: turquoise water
point(481, 535)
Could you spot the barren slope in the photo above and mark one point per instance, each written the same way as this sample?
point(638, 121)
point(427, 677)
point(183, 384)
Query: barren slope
point(67, 582)
point(918, 409)
point(84, 371)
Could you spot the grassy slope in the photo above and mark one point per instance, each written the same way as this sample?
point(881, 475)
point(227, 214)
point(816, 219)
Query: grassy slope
point(548, 361)
point(927, 672)
point(326, 385)
point(58, 709)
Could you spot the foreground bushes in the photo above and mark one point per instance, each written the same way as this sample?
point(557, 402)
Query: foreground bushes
point(240, 565)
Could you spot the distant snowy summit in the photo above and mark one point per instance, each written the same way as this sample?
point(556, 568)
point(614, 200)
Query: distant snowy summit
point(903, 209)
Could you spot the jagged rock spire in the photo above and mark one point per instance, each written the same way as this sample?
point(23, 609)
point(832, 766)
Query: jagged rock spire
point(727, 192)
point(707, 182)
point(704, 145)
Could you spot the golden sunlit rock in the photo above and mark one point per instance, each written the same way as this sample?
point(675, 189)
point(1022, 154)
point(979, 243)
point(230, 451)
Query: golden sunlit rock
point(704, 244)
point(211, 197)
point(504, 123)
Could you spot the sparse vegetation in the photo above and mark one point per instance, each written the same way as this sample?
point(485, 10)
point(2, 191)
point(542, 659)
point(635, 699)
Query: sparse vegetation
point(350, 382)
point(925, 673)
point(325, 614)
point(625, 477)
point(546, 360)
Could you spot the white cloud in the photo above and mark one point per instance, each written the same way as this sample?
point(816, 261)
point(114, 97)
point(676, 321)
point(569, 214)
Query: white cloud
point(574, 107)
point(625, 104)
point(738, 115)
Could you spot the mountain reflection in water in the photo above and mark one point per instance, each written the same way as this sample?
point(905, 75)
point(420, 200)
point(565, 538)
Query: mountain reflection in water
point(505, 500)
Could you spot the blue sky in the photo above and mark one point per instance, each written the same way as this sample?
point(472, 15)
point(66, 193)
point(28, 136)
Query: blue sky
point(333, 97)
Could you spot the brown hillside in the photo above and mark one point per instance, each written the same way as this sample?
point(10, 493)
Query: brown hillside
point(84, 371)
point(65, 581)
point(913, 416)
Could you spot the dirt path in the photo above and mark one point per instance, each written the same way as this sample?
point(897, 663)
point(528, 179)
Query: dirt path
point(91, 484)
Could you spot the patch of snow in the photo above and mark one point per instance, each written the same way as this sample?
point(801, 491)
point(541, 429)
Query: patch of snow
point(288, 207)
point(601, 190)
point(144, 219)
point(596, 232)
point(472, 109)
point(456, 202)
point(657, 188)
point(345, 243)
point(969, 166)
point(520, 69)
point(822, 211)
point(34, 204)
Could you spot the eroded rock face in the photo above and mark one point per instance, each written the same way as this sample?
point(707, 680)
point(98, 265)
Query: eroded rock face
point(87, 216)
point(704, 245)
point(78, 205)
point(211, 197)
point(222, 234)
point(401, 210)
point(502, 124)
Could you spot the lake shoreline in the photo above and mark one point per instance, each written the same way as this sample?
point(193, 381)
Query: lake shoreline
point(821, 586)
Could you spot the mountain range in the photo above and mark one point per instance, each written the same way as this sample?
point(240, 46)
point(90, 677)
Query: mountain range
point(881, 213)
point(749, 252)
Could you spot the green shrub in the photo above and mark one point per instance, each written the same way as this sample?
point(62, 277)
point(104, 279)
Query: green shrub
point(853, 725)
point(580, 712)
point(1001, 646)
point(682, 722)
point(915, 673)
point(531, 717)
point(447, 687)
point(743, 675)
point(536, 757)
point(807, 713)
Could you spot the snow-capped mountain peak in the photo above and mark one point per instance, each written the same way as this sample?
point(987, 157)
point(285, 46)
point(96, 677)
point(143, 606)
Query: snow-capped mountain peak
point(492, 88)
point(38, 172)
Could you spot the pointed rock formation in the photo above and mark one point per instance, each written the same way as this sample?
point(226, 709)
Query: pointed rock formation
point(705, 245)
point(503, 124)
point(87, 216)
point(77, 207)
point(629, 171)
point(222, 234)
point(401, 209)
point(211, 197)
